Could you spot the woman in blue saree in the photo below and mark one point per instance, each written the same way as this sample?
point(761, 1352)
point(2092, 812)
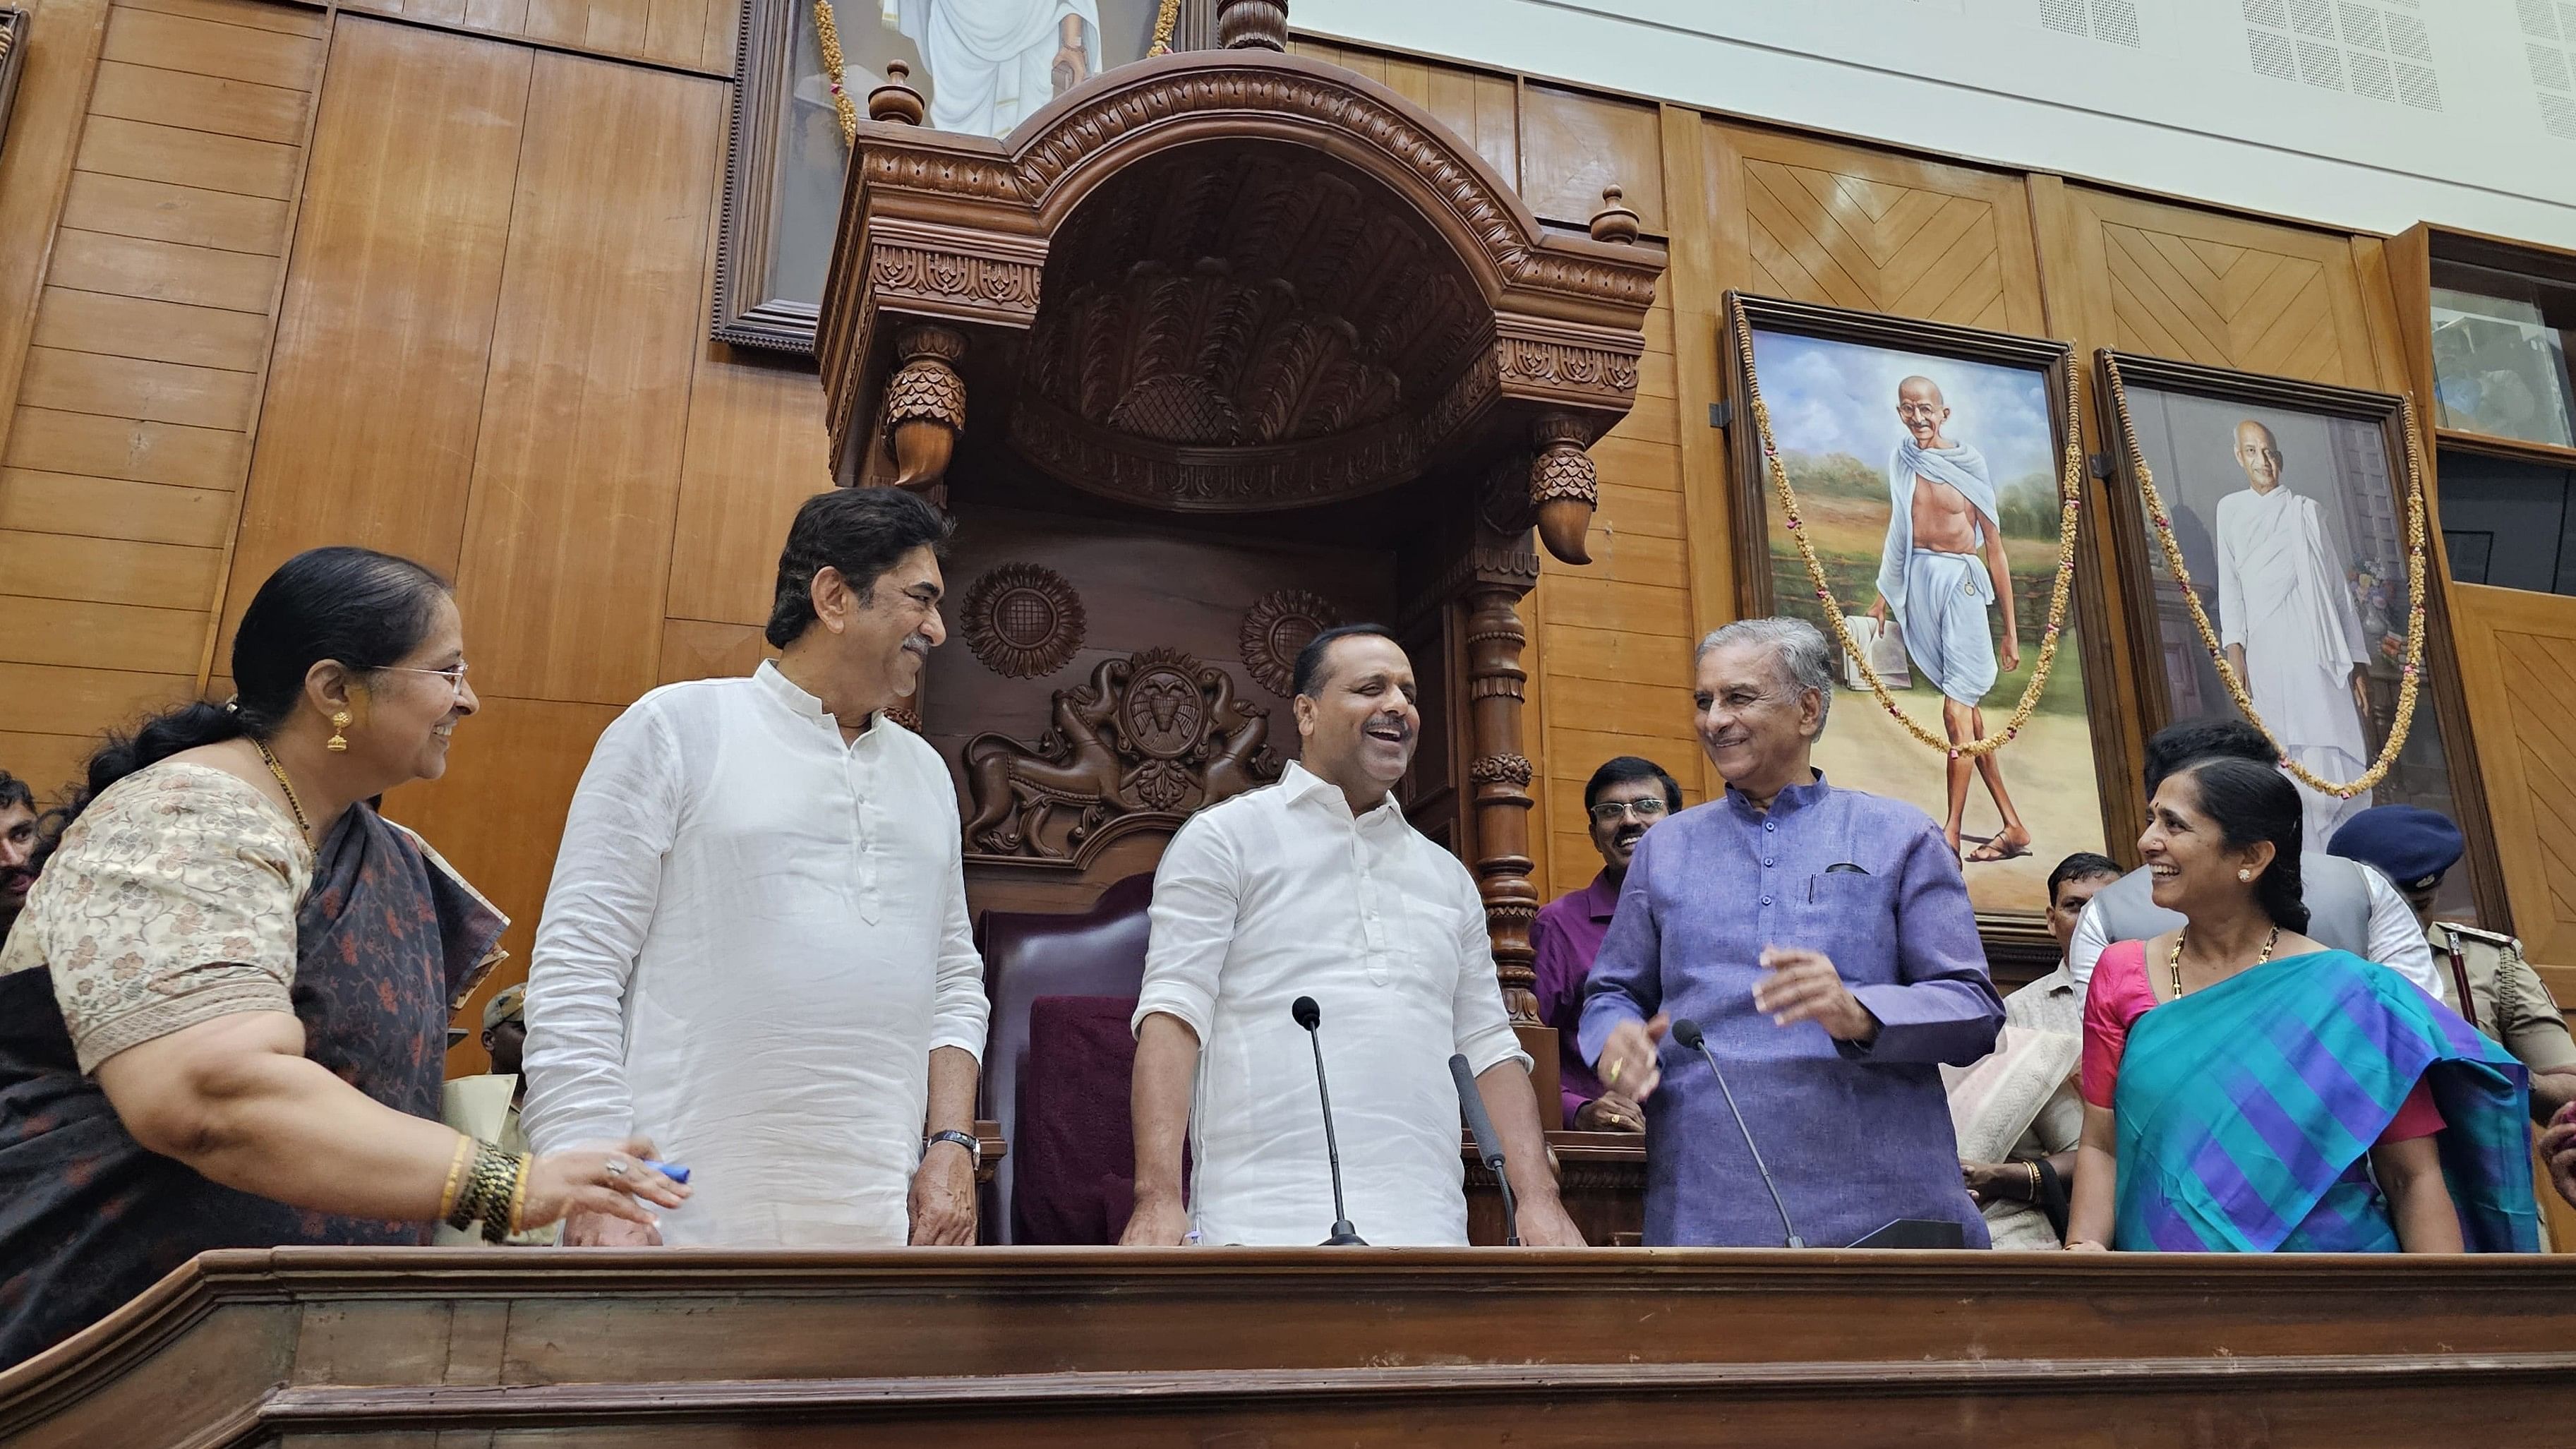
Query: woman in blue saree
point(2248, 1090)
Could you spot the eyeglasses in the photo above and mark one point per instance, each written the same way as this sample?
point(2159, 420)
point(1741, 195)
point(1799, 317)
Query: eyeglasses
point(454, 674)
point(1651, 808)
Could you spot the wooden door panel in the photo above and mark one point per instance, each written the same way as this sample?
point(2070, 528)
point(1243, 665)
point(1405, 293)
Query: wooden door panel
point(2518, 668)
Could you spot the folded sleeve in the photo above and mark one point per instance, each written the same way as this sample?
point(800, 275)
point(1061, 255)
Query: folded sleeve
point(1942, 1007)
point(2528, 1019)
point(173, 902)
point(2397, 938)
point(2092, 938)
point(1197, 893)
point(2111, 1003)
point(960, 1014)
point(1484, 1032)
point(1627, 980)
point(608, 879)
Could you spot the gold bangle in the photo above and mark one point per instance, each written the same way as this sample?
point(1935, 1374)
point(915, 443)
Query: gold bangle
point(2035, 1180)
point(487, 1187)
point(455, 1176)
point(501, 1225)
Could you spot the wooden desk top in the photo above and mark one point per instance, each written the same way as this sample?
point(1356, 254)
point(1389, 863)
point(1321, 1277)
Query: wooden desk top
point(651, 1348)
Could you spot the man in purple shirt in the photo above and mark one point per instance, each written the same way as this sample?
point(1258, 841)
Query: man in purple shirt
point(1623, 799)
point(1823, 941)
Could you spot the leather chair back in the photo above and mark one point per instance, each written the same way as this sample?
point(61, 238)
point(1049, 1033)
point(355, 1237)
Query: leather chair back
point(1099, 952)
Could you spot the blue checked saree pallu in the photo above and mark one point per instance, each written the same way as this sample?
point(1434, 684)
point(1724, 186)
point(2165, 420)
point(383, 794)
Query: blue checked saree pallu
point(2247, 1113)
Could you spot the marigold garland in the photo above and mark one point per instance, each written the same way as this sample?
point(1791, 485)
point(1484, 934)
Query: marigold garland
point(1163, 22)
point(827, 38)
point(2070, 499)
point(2409, 678)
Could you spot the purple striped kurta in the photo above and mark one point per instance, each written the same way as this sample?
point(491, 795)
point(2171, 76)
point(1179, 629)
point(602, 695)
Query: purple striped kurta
point(1855, 1135)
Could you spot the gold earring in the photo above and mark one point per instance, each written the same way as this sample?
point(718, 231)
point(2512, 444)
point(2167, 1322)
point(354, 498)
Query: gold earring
point(2240, 875)
point(336, 744)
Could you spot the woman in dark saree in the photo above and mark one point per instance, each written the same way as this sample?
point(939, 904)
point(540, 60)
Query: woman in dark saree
point(223, 1012)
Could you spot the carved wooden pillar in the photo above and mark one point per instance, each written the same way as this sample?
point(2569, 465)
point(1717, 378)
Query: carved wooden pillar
point(1500, 772)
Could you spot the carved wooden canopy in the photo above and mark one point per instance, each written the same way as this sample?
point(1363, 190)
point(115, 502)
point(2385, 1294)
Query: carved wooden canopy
point(1226, 281)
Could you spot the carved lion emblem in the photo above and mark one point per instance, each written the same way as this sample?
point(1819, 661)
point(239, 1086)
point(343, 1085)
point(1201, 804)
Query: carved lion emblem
point(1163, 714)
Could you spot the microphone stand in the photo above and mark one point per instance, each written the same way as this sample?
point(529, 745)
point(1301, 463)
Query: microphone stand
point(1344, 1235)
point(1698, 1041)
point(1489, 1147)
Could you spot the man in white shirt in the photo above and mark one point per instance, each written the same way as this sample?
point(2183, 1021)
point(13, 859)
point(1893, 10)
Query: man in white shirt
point(2350, 906)
point(1318, 886)
point(756, 949)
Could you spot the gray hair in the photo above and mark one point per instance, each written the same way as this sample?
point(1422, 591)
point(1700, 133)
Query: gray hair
point(1797, 647)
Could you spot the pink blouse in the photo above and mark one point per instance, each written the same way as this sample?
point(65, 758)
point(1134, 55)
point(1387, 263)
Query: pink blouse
point(2121, 993)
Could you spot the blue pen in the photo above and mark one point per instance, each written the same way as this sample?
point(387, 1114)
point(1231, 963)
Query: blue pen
point(671, 1170)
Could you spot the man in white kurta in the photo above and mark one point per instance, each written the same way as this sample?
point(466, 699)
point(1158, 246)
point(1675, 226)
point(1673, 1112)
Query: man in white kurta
point(995, 63)
point(756, 946)
point(1287, 892)
point(2291, 631)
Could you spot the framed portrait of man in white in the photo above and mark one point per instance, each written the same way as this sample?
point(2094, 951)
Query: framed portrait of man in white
point(981, 66)
point(2296, 515)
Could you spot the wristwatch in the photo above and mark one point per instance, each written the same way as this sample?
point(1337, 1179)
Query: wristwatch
point(974, 1146)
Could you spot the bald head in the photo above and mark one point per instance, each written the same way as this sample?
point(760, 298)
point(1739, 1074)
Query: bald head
point(1922, 409)
point(2259, 454)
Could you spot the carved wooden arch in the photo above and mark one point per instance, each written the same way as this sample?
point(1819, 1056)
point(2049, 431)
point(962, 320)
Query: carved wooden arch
point(960, 228)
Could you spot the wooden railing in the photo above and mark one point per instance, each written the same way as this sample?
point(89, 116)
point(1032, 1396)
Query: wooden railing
point(1193, 1346)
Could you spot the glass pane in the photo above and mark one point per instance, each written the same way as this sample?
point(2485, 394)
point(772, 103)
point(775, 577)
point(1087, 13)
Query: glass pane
point(2519, 511)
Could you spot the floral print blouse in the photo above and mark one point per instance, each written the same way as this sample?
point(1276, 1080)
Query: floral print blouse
point(172, 902)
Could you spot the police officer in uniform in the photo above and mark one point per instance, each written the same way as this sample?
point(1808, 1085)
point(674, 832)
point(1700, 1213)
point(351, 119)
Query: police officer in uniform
point(2496, 989)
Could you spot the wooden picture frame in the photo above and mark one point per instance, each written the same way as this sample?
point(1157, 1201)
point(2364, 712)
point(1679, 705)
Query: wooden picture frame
point(14, 24)
point(2016, 935)
point(762, 300)
point(2145, 580)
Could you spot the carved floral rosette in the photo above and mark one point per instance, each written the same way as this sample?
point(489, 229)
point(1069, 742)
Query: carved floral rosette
point(1023, 621)
point(1275, 628)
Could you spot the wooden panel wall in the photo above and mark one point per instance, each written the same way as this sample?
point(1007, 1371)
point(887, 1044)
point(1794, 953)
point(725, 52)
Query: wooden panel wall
point(130, 435)
point(492, 359)
point(2201, 286)
point(698, 35)
point(1848, 226)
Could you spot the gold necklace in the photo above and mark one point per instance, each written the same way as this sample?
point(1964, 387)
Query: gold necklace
point(284, 784)
point(2173, 962)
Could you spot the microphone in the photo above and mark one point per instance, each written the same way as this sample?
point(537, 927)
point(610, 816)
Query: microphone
point(1471, 1103)
point(1687, 1032)
point(1309, 1016)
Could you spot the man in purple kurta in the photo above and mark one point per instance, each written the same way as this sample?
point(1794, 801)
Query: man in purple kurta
point(1624, 798)
point(1823, 940)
